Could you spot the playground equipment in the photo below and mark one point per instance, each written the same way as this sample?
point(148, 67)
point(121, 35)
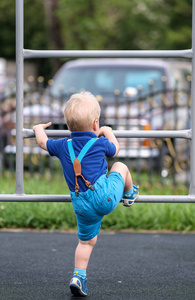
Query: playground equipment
point(22, 133)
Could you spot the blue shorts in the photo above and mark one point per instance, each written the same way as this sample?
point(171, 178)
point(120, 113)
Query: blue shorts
point(91, 206)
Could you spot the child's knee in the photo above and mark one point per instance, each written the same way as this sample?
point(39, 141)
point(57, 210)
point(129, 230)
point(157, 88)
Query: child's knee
point(120, 168)
point(91, 242)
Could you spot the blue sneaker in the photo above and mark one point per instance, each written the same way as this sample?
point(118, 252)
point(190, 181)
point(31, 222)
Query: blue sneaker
point(78, 286)
point(128, 200)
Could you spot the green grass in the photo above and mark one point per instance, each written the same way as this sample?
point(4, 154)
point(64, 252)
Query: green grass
point(141, 216)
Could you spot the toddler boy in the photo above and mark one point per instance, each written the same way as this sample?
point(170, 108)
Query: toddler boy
point(93, 193)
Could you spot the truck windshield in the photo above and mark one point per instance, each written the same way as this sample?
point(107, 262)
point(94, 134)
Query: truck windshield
point(104, 80)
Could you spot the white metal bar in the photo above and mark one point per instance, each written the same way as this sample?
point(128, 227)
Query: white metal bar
point(19, 188)
point(28, 53)
point(184, 134)
point(192, 158)
point(66, 198)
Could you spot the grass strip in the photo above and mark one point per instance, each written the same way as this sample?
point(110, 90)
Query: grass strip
point(141, 216)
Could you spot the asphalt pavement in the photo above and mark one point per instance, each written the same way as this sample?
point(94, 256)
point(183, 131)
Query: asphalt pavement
point(123, 266)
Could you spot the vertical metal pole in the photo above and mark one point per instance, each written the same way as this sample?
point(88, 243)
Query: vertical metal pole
point(19, 188)
point(192, 169)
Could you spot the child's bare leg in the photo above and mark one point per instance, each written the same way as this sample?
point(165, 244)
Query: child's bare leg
point(78, 282)
point(83, 253)
point(124, 171)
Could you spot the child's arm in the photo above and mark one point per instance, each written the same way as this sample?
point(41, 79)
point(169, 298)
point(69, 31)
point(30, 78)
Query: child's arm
point(107, 132)
point(40, 134)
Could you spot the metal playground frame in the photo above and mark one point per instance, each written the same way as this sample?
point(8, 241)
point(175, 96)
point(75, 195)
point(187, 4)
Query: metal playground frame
point(22, 133)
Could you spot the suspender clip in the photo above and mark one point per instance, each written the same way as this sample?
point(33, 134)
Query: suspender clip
point(77, 192)
point(91, 187)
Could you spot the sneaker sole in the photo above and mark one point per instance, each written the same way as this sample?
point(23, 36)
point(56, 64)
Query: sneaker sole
point(75, 290)
point(130, 200)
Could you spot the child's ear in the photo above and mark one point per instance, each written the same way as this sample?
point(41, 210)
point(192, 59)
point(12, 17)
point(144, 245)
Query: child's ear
point(95, 124)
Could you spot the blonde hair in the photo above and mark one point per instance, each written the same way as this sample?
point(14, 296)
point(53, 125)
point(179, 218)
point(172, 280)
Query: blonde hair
point(81, 111)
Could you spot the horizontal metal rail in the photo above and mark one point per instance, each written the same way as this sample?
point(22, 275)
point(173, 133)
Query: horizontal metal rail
point(183, 134)
point(66, 198)
point(28, 53)
point(29, 133)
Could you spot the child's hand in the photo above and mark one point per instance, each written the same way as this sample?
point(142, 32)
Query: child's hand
point(107, 132)
point(40, 134)
point(104, 130)
point(44, 126)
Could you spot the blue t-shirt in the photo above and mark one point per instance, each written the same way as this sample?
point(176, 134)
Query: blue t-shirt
point(93, 165)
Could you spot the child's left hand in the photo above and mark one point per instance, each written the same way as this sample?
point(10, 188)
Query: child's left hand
point(104, 130)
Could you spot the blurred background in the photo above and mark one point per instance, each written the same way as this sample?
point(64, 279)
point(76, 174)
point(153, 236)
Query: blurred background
point(133, 93)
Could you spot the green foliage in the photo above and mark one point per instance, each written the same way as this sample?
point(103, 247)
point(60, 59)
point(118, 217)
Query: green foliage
point(115, 24)
point(149, 216)
point(35, 32)
point(7, 32)
point(36, 215)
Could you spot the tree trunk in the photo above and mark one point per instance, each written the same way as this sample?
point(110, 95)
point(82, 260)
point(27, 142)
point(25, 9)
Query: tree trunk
point(54, 30)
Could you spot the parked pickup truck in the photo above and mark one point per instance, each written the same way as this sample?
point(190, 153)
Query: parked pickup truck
point(134, 94)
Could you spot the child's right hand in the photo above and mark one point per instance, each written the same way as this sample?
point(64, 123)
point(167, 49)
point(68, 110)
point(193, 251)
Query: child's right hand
point(104, 130)
point(107, 132)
